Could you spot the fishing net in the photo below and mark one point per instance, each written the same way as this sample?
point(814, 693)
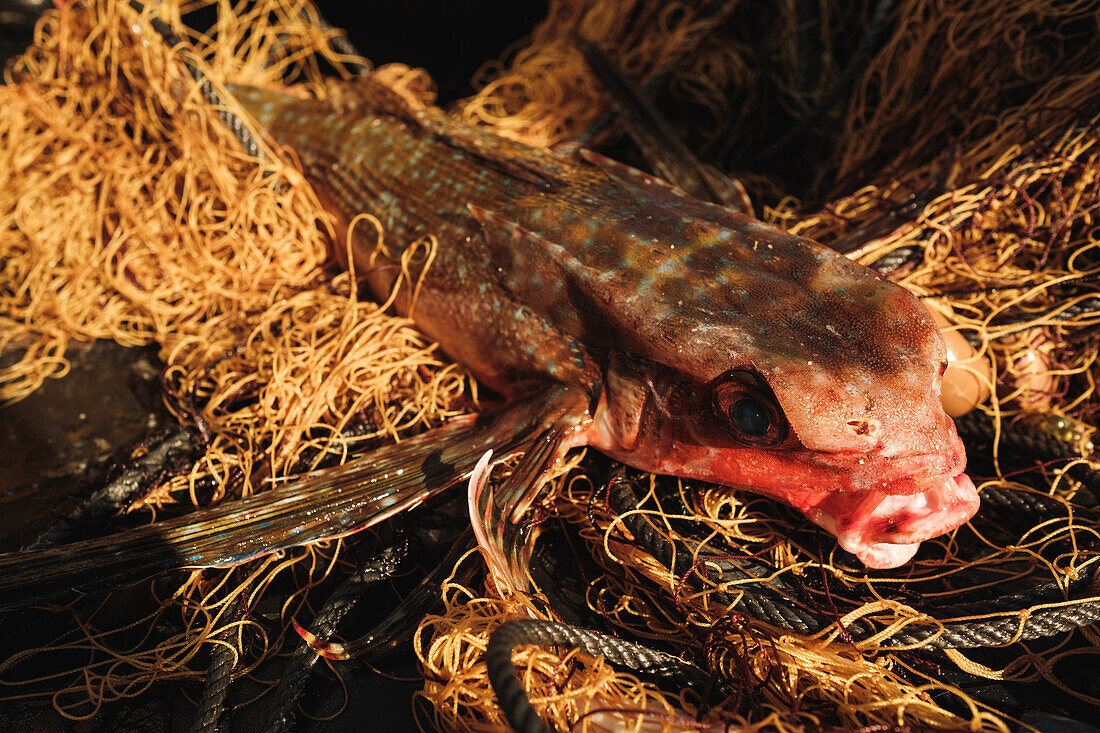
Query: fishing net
point(130, 212)
point(950, 145)
point(969, 140)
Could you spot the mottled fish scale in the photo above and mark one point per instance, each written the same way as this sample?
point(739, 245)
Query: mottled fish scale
point(584, 271)
point(598, 255)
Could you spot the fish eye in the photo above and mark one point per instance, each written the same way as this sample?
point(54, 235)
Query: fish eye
point(749, 417)
point(743, 404)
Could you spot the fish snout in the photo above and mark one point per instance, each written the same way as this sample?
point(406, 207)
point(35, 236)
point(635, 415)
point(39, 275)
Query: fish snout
point(893, 474)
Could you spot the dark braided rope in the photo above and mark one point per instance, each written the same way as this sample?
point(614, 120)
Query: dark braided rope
point(897, 258)
point(522, 716)
point(770, 600)
point(1059, 315)
point(1062, 315)
point(400, 624)
point(105, 502)
point(1089, 306)
point(92, 515)
point(235, 124)
point(223, 659)
point(509, 690)
point(1016, 438)
point(339, 41)
point(211, 705)
point(298, 668)
point(714, 11)
point(998, 632)
point(976, 428)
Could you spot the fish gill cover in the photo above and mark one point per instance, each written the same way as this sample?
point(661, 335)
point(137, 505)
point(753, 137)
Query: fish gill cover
point(952, 146)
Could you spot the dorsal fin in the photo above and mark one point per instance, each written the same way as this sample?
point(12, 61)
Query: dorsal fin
point(371, 93)
point(732, 215)
point(627, 174)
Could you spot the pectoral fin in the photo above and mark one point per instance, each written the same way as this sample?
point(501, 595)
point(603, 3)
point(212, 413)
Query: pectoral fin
point(497, 517)
point(320, 506)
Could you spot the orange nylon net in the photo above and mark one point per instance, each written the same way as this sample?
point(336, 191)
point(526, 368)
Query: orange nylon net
point(965, 149)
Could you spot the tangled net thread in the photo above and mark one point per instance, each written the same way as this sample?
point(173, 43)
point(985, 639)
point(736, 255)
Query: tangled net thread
point(128, 212)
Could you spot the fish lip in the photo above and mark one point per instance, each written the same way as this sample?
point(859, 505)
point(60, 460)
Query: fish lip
point(962, 509)
point(885, 530)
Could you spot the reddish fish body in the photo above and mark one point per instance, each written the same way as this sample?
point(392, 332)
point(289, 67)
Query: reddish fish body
point(710, 345)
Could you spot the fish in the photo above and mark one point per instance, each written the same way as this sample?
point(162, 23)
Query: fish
point(709, 345)
point(610, 310)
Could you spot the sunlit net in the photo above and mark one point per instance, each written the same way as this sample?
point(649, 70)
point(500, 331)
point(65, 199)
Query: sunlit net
point(128, 212)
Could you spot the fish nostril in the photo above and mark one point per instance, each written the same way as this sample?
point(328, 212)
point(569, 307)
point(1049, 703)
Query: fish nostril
point(863, 427)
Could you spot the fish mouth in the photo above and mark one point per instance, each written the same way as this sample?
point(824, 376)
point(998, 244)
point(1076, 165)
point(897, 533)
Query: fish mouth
point(884, 530)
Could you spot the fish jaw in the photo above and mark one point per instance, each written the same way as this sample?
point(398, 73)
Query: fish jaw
point(885, 530)
point(880, 502)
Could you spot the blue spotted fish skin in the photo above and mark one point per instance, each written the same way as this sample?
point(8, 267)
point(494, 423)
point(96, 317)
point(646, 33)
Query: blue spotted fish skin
point(544, 263)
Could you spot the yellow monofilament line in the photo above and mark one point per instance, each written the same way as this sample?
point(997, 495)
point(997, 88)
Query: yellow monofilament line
point(128, 212)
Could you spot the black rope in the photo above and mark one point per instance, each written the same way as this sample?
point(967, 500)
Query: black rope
point(223, 659)
point(212, 703)
point(1019, 438)
point(105, 503)
point(338, 40)
point(667, 155)
point(897, 258)
point(512, 698)
point(774, 600)
point(713, 12)
point(1056, 315)
point(976, 428)
point(343, 600)
point(400, 624)
point(235, 124)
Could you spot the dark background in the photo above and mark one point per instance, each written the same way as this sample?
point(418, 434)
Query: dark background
point(449, 39)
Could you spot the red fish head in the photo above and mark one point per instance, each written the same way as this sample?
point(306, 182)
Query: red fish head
point(835, 410)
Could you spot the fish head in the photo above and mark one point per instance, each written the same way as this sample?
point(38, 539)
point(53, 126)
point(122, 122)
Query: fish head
point(825, 396)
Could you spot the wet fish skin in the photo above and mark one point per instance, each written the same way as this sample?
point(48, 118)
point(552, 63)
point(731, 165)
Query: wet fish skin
point(583, 272)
